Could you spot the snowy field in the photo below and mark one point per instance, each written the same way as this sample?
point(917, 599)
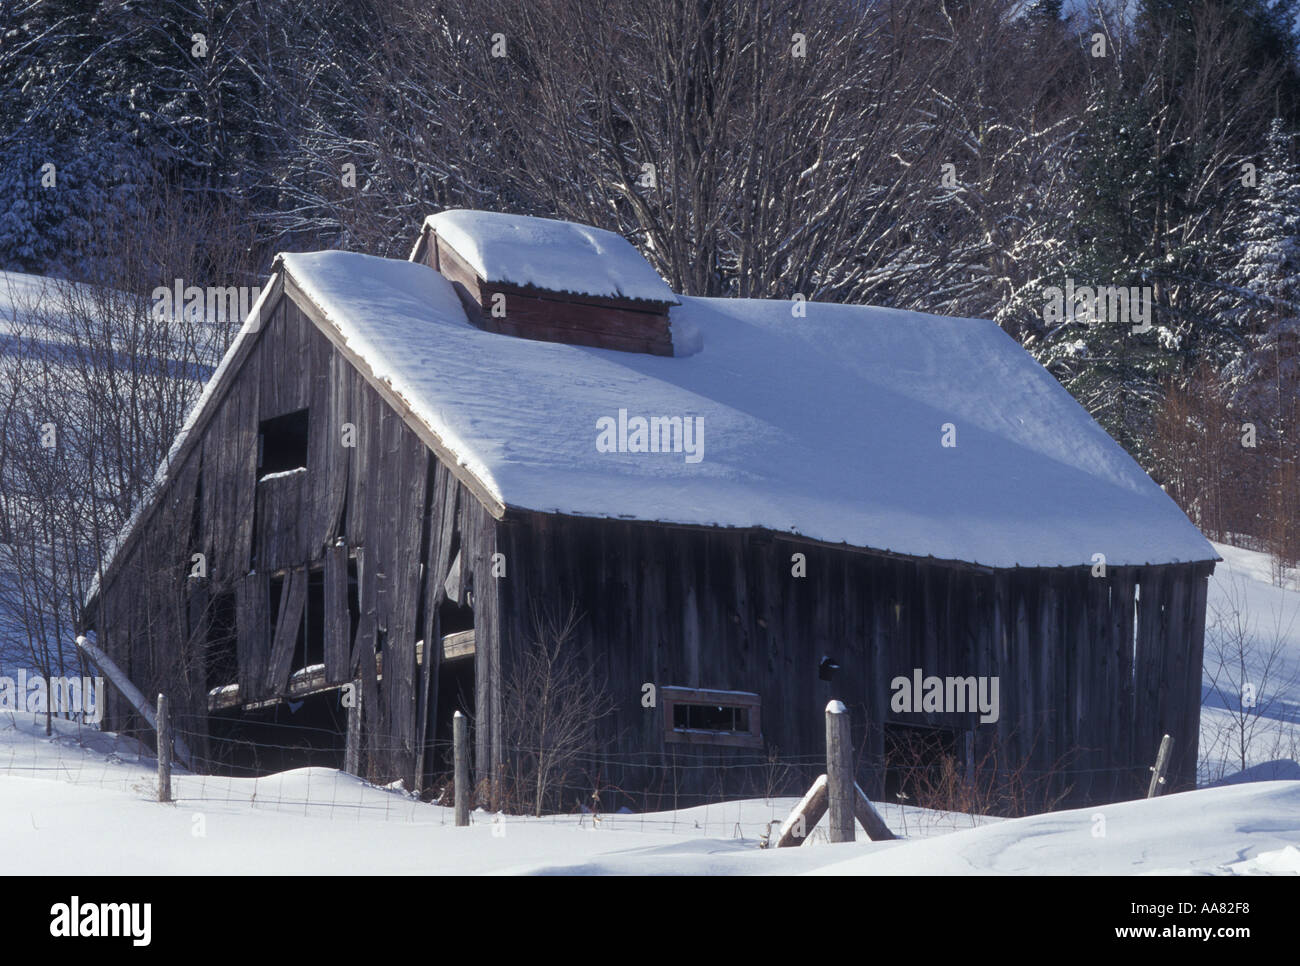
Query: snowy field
point(80, 803)
point(1243, 585)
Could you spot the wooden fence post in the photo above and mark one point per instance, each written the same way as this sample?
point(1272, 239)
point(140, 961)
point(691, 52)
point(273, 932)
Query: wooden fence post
point(841, 789)
point(352, 750)
point(164, 730)
point(1162, 764)
point(460, 752)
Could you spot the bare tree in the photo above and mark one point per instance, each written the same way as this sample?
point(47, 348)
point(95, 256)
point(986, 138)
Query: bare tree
point(97, 383)
point(553, 703)
point(1209, 461)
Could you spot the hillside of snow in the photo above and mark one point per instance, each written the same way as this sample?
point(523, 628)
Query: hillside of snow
point(1251, 691)
point(65, 349)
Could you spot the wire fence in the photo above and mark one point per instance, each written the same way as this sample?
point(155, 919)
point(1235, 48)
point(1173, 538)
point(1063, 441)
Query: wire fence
point(740, 794)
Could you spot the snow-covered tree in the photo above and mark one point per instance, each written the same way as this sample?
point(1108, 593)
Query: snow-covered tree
point(1266, 376)
point(1113, 371)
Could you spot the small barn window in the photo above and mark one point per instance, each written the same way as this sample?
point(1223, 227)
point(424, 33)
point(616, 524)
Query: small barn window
point(696, 716)
point(282, 443)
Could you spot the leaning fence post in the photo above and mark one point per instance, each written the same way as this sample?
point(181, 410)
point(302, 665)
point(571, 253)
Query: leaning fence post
point(840, 787)
point(460, 752)
point(352, 750)
point(164, 729)
point(132, 694)
point(1162, 764)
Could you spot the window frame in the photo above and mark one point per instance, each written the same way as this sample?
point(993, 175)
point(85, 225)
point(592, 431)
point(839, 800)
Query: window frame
point(670, 696)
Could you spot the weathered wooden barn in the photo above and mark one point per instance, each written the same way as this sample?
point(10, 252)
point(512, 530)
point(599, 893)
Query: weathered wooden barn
point(752, 506)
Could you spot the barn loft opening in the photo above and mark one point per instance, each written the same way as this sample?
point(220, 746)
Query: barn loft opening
point(282, 443)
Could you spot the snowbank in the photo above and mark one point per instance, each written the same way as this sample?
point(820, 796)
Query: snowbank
point(1213, 831)
point(79, 803)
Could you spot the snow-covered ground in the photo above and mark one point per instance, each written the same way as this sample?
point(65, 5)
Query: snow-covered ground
point(82, 801)
point(1270, 615)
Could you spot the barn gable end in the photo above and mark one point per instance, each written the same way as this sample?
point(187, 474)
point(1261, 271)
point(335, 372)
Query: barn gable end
point(325, 575)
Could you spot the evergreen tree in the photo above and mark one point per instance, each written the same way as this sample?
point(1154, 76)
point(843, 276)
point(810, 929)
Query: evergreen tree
point(1114, 372)
point(1156, 207)
point(64, 157)
point(115, 95)
point(1266, 376)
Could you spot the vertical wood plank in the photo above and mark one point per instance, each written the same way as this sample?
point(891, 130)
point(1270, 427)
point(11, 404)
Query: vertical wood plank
point(293, 595)
point(338, 623)
point(252, 642)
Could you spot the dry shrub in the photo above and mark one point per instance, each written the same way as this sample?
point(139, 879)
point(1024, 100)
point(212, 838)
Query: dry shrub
point(989, 786)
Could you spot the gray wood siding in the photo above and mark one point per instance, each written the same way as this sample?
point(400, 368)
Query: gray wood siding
point(1083, 690)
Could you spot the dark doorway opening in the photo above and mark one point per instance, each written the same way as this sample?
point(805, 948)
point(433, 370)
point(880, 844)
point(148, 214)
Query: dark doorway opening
point(456, 688)
point(222, 658)
point(288, 734)
point(453, 618)
point(309, 649)
point(915, 759)
point(455, 693)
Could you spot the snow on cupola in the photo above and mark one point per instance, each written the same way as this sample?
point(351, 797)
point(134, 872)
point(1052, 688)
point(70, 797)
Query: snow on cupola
point(554, 281)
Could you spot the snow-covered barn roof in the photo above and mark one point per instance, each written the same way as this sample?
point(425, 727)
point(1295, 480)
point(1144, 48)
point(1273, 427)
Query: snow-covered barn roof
point(829, 426)
point(558, 256)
